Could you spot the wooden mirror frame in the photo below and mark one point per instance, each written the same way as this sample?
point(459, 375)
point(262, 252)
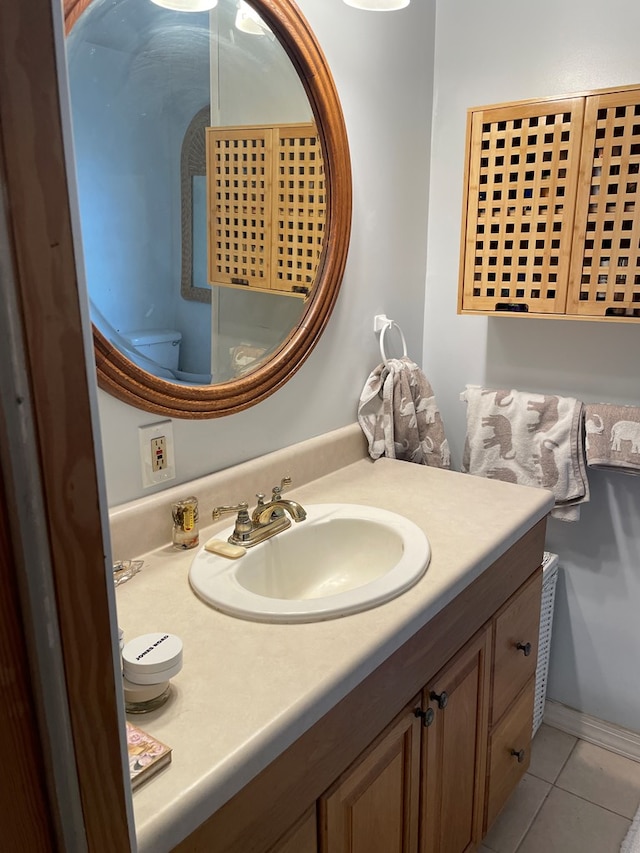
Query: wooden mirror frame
point(120, 377)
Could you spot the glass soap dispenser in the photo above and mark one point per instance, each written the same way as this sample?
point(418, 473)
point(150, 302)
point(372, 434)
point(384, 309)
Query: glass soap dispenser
point(185, 523)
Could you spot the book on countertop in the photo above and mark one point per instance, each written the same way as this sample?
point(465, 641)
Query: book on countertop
point(146, 754)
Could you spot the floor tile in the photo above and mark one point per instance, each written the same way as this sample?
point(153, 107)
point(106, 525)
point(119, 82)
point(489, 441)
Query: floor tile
point(483, 849)
point(549, 751)
point(603, 777)
point(569, 824)
point(517, 816)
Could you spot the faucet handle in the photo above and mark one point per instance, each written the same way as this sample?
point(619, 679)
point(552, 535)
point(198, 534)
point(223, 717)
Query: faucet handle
point(277, 490)
point(242, 507)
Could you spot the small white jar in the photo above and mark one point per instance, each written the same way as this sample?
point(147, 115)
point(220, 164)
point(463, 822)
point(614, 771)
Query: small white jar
point(148, 664)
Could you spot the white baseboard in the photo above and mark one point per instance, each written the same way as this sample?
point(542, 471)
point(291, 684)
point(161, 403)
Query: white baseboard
point(607, 735)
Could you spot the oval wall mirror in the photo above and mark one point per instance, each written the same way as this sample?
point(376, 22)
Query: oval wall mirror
point(214, 185)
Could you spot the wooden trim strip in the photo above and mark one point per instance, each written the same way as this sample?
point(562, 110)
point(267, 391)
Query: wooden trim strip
point(550, 98)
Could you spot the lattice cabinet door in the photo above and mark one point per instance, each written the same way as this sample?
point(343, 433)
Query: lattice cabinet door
point(299, 210)
point(605, 276)
point(239, 174)
point(520, 192)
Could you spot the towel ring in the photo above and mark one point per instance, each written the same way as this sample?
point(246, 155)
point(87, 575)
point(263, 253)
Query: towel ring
point(385, 323)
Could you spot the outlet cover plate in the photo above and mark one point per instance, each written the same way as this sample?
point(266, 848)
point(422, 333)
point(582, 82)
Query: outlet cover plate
point(146, 435)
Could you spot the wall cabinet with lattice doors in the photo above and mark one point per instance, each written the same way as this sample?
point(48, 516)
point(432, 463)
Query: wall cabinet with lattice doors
point(551, 221)
point(266, 204)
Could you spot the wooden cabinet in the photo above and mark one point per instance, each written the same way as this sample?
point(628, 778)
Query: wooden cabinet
point(266, 207)
point(551, 214)
point(373, 807)
point(476, 717)
point(454, 747)
point(420, 785)
point(433, 778)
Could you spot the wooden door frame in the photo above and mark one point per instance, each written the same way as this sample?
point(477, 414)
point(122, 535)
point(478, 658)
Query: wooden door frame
point(59, 407)
point(27, 822)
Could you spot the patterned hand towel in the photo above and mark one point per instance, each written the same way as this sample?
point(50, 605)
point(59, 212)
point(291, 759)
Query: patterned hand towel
point(531, 439)
point(613, 437)
point(399, 416)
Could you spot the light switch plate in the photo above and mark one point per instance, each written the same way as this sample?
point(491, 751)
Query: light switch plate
point(156, 453)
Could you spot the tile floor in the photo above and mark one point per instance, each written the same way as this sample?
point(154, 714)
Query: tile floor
point(575, 798)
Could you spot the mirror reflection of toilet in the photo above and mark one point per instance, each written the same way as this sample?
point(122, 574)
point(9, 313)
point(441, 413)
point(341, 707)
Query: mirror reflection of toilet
point(161, 346)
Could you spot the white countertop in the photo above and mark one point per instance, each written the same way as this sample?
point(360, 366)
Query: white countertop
point(248, 690)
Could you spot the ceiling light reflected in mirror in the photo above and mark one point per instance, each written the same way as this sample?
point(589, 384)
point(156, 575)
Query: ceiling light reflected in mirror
point(378, 5)
point(249, 21)
point(187, 5)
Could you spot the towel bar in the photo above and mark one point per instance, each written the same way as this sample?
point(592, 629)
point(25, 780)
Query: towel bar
point(380, 324)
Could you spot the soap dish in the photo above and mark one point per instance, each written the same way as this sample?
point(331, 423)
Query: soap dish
point(123, 570)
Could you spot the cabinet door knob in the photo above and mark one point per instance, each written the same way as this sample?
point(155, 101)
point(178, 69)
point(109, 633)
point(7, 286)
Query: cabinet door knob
point(427, 716)
point(525, 648)
point(440, 698)
point(519, 754)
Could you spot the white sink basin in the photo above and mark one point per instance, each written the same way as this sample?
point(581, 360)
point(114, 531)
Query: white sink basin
point(342, 559)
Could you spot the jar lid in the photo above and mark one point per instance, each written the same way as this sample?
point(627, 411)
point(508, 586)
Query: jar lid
point(152, 658)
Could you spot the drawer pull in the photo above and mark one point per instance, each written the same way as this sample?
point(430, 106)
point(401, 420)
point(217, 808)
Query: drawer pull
point(519, 754)
point(427, 716)
point(440, 698)
point(525, 648)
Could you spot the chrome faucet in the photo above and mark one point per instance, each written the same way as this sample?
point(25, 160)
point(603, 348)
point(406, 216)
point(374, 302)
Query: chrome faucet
point(266, 520)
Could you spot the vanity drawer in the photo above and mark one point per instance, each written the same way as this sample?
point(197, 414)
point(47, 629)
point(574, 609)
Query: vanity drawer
point(515, 645)
point(509, 752)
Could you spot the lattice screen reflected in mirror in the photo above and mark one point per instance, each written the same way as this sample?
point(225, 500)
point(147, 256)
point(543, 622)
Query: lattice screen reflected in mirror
point(523, 171)
point(300, 210)
point(238, 169)
point(606, 281)
point(266, 207)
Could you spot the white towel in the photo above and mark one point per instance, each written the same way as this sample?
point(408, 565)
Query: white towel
point(531, 439)
point(399, 416)
point(613, 437)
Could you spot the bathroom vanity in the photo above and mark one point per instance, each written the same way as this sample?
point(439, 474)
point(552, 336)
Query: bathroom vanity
point(409, 723)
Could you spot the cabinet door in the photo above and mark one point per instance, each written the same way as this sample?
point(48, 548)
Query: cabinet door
point(454, 747)
point(374, 806)
point(522, 173)
point(605, 265)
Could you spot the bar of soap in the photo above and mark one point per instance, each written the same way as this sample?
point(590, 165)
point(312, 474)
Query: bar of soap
point(224, 549)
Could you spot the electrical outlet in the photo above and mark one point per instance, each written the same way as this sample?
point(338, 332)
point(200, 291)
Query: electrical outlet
point(156, 453)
